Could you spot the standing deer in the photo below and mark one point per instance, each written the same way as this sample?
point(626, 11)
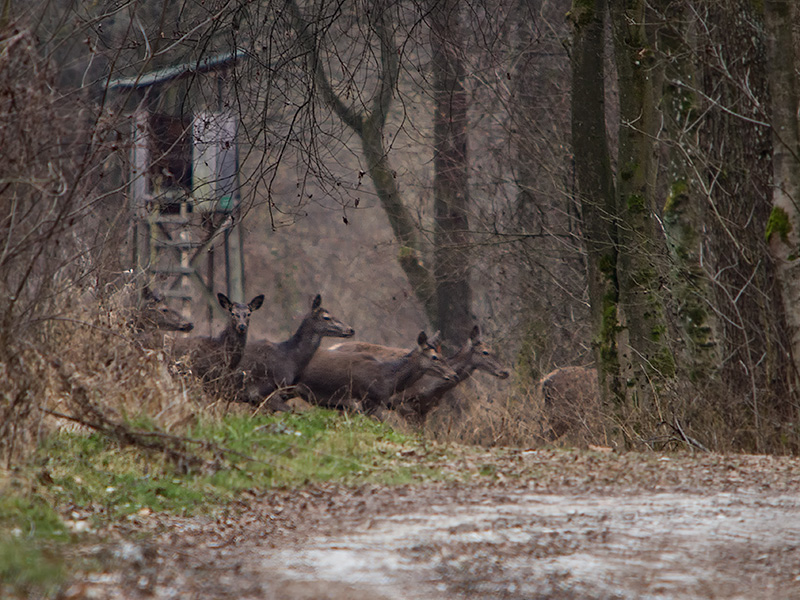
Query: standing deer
point(268, 366)
point(333, 377)
point(215, 358)
point(417, 400)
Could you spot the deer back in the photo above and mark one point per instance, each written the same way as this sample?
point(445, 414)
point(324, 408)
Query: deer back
point(268, 366)
point(365, 376)
point(571, 402)
point(427, 392)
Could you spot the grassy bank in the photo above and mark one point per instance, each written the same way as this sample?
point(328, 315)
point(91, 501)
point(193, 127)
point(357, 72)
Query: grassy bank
point(79, 482)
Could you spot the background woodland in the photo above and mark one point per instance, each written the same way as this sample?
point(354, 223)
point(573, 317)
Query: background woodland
point(597, 183)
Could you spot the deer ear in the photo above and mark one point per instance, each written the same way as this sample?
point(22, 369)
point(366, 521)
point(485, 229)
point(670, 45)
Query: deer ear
point(475, 334)
point(317, 302)
point(422, 339)
point(224, 302)
point(256, 302)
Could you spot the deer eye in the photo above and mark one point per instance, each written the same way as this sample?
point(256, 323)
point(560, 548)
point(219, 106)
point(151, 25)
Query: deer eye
point(434, 357)
point(485, 353)
point(326, 318)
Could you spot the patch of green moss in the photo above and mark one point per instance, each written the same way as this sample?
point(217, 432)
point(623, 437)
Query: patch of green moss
point(636, 203)
point(657, 332)
point(778, 223)
point(663, 363)
point(676, 191)
point(582, 12)
point(534, 344)
point(607, 265)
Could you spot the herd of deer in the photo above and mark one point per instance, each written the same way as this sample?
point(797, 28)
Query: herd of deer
point(353, 375)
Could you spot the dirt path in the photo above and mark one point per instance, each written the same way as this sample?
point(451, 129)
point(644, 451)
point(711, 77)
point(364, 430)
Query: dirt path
point(544, 525)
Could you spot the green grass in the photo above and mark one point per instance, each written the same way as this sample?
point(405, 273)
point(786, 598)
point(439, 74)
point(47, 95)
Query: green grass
point(31, 536)
point(94, 476)
point(282, 450)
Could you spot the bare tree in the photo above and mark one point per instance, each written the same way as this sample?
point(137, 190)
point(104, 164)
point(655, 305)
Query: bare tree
point(368, 121)
point(451, 193)
point(783, 227)
point(595, 187)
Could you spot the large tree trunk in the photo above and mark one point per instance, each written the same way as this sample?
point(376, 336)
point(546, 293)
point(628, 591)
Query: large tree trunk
point(595, 187)
point(644, 354)
point(451, 194)
point(684, 210)
point(753, 339)
point(783, 227)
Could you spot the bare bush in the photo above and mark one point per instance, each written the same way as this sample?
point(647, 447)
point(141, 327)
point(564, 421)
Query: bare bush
point(63, 347)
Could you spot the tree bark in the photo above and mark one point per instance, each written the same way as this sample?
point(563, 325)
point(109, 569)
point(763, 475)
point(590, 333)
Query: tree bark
point(783, 227)
point(451, 194)
point(684, 210)
point(644, 354)
point(595, 187)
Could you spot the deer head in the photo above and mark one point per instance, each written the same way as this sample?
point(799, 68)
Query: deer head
point(240, 313)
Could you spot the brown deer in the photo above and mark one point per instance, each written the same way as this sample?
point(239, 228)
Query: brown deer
point(571, 398)
point(215, 358)
point(154, 314)
point(268, 366)
point(334, 377)
point(417, 400)
point(152, 318)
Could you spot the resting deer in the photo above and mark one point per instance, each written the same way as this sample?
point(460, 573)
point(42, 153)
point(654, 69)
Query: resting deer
point(153, 317)
point(333, 377)
point(420, 398)
point(268, 366)
point(214, 358)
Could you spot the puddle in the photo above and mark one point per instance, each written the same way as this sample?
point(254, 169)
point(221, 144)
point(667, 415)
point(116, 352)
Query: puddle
point(650, 546)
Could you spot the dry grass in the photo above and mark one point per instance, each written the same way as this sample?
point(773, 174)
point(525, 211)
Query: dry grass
point(88, 365)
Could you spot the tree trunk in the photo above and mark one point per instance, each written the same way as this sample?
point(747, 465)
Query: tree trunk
point(783, 227)
point(754, 348)
point(644, 354)
point(684, 210)
point(451, 194)
point(595, 187)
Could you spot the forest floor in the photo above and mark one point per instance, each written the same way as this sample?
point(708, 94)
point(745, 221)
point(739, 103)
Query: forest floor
point(530, 524)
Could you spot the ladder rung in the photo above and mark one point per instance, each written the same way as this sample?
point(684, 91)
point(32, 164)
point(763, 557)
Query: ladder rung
point(173, 270)
point(171, 219)
point(176, 294)
point(177, 244)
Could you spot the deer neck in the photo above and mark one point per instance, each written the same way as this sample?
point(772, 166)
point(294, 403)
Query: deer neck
point(461, 362)
point(302, 345)
point(232, 343)
point(405, 370)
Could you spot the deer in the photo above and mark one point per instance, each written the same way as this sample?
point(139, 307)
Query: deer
point(215, 358)
point(268, 366)
point(417, 400)
point(571, 403)
point(153, 317)
point(337, 378)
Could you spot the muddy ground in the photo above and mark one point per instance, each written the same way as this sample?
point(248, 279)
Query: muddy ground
point(528, 524)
